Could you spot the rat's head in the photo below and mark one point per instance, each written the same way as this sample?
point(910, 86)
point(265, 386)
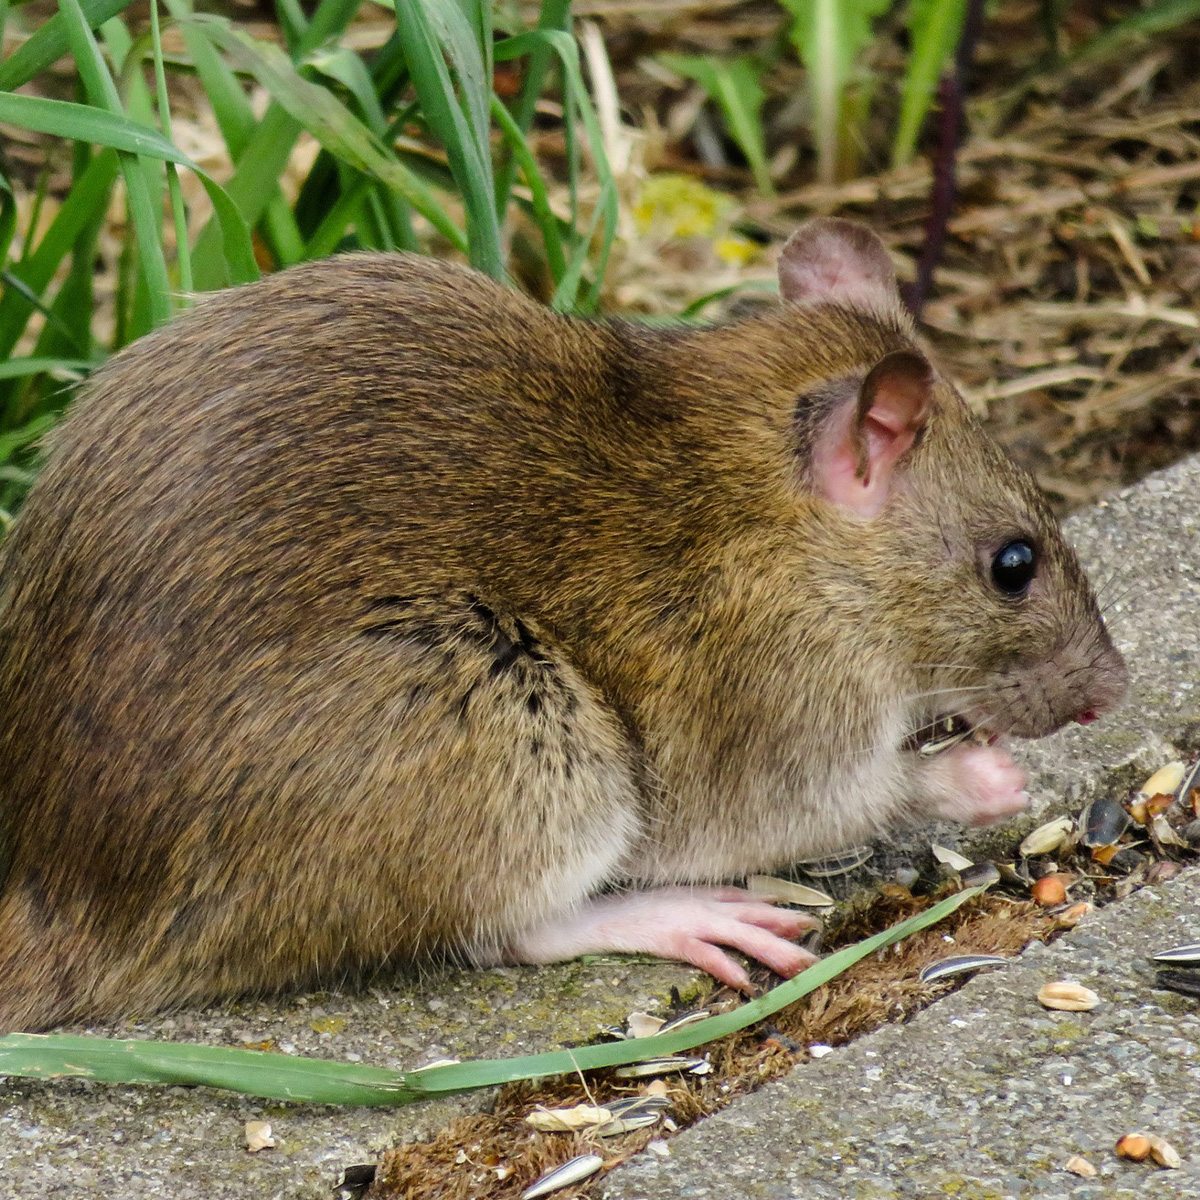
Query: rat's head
point(970, 579)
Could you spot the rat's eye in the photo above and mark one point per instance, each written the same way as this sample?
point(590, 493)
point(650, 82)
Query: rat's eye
point(1013, 568)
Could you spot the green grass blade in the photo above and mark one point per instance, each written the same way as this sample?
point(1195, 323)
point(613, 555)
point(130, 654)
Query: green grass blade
point(66, 119)
point(85, 203)
point(329, 21)
point(8, 219)
point(50, 43)
point(102, 92)
point(1141, 23)
point(934, 29)
point(178, 212)
point(431, 31)
point(284, 1077)
point(734, 86)
point(330, 122)
point(345, 67)
point(555, 16)
point(544, 216)
point(17, 368)
point(18, 438)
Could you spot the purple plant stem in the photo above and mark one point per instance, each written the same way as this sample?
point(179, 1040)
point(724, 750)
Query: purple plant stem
point(951, 122)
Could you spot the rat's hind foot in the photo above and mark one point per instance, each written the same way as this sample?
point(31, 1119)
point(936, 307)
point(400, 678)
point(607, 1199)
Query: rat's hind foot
point(690, 924)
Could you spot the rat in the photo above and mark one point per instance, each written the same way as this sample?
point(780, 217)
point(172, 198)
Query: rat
point(374, 614)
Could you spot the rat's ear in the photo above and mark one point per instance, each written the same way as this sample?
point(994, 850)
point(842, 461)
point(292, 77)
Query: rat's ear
point(829, 260)
point(855, 455)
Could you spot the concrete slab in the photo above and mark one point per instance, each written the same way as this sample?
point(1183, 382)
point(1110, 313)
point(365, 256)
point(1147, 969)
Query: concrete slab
point(75, 1139)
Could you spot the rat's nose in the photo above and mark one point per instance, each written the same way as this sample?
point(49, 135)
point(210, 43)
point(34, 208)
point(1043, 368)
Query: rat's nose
point(1087, 716)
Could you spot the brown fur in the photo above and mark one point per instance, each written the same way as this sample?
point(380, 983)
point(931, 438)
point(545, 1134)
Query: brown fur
point(373, 612)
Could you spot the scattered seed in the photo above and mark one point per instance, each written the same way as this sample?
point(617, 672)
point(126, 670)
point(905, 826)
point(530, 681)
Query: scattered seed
point(1070, 917)
point(1165, 779)
point(1163, 1152)
point(258, 1136)
point(641, 1024)
point(983, 874)
point(634, 1113)
point(1186, 982)
point(1135, 1146)
point(688, 1018)
point(1181, 955)
point(1080, 1166)
point(838, 864)
point(951, 858)
point(1045, 839)
point(567, 1120)
point(575, 1170)
point(819, 1050)
point(1162, 833)
point(659, 1066)
point(784, 891)
point(1102, 822)
point(1069, 997)
point(1051, 890)
point(960, 964)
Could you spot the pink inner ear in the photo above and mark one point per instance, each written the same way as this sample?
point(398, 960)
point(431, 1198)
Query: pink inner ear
point(856, 456)
point(829, 260)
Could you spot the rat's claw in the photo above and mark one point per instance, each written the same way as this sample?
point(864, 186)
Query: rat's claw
point(690, 924)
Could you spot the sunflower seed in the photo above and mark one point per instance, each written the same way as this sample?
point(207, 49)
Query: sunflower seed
point(1186, 981)
point(960, 964)
point(634, 1113)
point(1069, 997)
point(951, 858)
point(659, 1066)
point(575, 1170)
point(688, 1018)
point(834, 865)
point(640, 1025)
point(1165, 780)
point(1045, 839)
point(984, 874)
point(784, 891)
point(1184, 956)
point(1102, 822)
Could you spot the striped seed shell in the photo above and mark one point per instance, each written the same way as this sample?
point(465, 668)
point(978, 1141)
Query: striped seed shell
point(1188, 955)
point(960, 964)
point(784, 891)
point(574, 1170)
point(659, 1066)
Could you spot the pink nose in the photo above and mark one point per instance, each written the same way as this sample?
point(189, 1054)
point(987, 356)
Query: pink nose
point(1087, 716)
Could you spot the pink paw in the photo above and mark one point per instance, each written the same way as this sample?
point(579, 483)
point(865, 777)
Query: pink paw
point(690, 924)
point(980, 785)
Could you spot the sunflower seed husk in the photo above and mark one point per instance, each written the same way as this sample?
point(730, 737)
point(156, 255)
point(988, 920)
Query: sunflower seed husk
point(688, 1018)
point(659, 1066)
point(616, 1032)
point(784, 891)
point(940, 735)
point(1045, 839)
point(960, 964)
point(951, 858)
point(1183, 956)
point(1080, 1166)
point(1191, 781)
point(1068, 997)
point(634, 1113)
point(575, 1170)
point(1186, 982)
point(984, 874)
point(567, 1120)
point(1161, 833)
point(641, 1024)
point(258, 1136)
point(1102, 822)
point(836, 864)
point(1165, 779)
point(1163, 1152)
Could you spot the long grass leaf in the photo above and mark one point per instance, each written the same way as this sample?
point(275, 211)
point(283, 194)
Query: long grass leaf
point(102, 92)
point(284, 1077)
point(50, 43)
point(84, 203)
point(431, 31)
point(934, 29)
point(64, 118)
point(178, 212)
point(16, 368)
point(330, 122)
point(11, 442)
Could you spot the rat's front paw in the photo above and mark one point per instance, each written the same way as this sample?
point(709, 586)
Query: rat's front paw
point(977, 785)
point(690, 924)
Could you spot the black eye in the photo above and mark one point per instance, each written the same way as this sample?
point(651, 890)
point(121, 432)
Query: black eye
point(1013, 568)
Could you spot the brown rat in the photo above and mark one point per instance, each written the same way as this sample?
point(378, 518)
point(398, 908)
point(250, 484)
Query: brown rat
point(374, 612)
